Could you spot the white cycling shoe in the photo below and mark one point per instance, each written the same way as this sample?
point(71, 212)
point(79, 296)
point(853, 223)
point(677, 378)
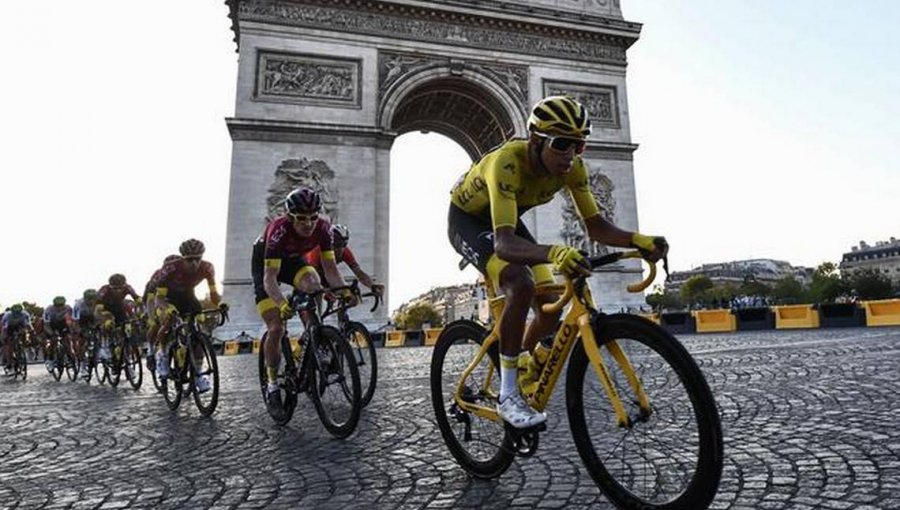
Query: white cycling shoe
point(515, 411)
point(202, 384)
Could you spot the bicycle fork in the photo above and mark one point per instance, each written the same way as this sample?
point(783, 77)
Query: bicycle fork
point(589, 342)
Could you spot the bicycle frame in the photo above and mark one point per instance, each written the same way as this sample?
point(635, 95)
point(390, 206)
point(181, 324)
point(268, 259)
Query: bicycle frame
point(576, 323)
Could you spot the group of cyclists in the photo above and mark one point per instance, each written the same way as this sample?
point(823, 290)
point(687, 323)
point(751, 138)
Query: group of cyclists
point(301, 249)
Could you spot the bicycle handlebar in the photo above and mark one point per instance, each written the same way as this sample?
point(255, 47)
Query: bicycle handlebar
point(596, 262)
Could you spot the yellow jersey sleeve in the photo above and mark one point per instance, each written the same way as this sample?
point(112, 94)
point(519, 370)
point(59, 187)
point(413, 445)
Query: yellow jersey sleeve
point(580, 190)
point(503, 177)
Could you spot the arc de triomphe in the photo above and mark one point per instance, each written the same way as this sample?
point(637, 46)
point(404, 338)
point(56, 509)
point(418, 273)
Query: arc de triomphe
point(325, 86)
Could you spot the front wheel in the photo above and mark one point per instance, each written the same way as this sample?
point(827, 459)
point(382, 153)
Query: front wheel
point(334, 382)
point(480, 445)
point(286, 379)
point(21, 362)
point(172, 387)
point(668, 457)
point(366, 361)
point(134, 369)
point(205, 368)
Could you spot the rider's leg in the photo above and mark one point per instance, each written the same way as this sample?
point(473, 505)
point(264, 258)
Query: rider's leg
point(517, 285)
point(544, 324)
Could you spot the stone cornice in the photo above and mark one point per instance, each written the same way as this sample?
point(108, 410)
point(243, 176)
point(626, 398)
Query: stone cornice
point(547, 32)
point(300, 132)
point(610, 150)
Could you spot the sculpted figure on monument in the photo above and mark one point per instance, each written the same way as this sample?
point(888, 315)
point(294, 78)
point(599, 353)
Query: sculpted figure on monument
point(293, 173)
point(572, 232)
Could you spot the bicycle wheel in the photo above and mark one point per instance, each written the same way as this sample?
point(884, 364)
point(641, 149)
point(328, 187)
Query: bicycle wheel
point(334, 382)
point(668, 459)
point(285, 384)
point(366, 360)
point(21, 362)
point(172, 388)
point(481, 446)
point(134, 369)
point(101, 370)
point(71, 365)
point(59, 359)
point(114, 373)
point(206, 366)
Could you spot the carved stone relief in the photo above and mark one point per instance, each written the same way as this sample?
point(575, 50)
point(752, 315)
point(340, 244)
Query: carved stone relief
point(573, 232)
point(394, 66)
point(308, 79)
point(434, 26)
point(600, 101)
point(293, 173)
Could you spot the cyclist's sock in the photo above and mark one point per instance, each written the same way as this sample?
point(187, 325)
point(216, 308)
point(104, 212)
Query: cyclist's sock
point(272, 374)
point(508, 374)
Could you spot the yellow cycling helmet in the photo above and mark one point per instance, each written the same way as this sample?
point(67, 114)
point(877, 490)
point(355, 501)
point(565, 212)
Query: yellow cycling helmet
point(560, 116)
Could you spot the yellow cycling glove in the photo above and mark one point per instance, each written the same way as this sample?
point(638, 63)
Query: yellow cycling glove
point(649, 244)
point(286, 311)
point(567, 260)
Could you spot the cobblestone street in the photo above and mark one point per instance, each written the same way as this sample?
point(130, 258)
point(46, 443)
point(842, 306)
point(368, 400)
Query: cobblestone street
point(809, 417)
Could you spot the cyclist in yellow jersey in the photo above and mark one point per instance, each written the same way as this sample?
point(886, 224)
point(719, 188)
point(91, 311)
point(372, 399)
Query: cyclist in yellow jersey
point(484, 226)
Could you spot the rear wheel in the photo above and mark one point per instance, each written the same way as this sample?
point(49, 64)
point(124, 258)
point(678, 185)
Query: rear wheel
point(115, 364)
point(71, 364)
point(172, 388)
point(59, 359)
point(669, 458)
point(205, 366)
point(287, 391)
point(21, 362)
point(481, 446)
point(366, 360)
point(134, 369)
point(334, 382)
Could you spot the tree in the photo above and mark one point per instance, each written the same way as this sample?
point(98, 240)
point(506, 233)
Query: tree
point(826, 284)
point(870, 284)
point(695, 288)
point(662, 299)
point(416, 315)
point(788, 291)
point(751, 287)
point(33, 309)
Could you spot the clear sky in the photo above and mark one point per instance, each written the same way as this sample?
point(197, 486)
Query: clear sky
point(766, 129)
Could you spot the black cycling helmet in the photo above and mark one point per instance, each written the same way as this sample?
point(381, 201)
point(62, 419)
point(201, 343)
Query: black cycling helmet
point(89, 294)
point(191, 248)
point(59, 301)
point(16, 308)
point(560, 116)
point(303, 201)
point(340, 234)
point(117, 280)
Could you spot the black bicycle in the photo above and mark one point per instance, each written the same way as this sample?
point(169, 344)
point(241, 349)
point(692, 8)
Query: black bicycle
point(322, 365)
point(60, 357)
point(193, 368)
point(126, 355)
point(360, 340)
point(19, 362)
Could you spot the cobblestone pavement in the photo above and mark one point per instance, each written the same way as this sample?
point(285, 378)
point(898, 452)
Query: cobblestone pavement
point(810, 421)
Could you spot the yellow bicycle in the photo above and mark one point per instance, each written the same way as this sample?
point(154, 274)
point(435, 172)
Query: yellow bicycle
point(643, 419)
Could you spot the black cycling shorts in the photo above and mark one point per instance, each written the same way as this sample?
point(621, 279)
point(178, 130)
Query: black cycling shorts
point(290, 266)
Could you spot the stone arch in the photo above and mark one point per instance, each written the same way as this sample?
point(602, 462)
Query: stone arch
point(460, 102)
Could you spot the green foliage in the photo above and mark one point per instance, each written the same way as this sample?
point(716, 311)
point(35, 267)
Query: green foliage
point(695, 287)
point(870, 284)
point(788, 291)
point(416, 315)
point(826, 284)
point(661, 299)
point(33, 309)
point(751, 287)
